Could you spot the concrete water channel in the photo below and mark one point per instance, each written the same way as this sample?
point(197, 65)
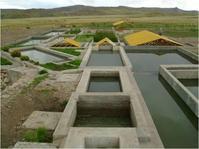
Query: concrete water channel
point(122, 101)
point(176, 124)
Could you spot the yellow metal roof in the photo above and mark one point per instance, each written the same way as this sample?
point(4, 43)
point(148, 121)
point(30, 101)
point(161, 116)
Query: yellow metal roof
point(144, 37)
point(105, 41)
point(72, 42)
point(118, 23)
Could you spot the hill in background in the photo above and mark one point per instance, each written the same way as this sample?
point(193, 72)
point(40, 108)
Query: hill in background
point(80, 10)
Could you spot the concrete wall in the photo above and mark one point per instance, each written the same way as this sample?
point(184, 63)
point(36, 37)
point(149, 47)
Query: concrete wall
point(171, 76)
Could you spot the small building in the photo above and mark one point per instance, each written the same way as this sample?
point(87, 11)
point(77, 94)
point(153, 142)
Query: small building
point(105, 43)
point(68, 42)
point(149, 38)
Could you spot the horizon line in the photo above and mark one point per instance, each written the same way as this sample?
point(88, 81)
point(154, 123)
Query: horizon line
point(97, 6)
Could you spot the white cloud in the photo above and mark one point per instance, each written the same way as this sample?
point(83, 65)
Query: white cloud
point(25, 4)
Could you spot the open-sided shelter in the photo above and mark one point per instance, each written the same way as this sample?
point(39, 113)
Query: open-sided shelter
point(148, 38)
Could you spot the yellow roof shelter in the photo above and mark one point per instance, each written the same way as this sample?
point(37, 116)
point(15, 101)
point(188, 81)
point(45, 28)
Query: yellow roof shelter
point(105, 41)
point(148, 38)
point(72, 42)
point(118, 23)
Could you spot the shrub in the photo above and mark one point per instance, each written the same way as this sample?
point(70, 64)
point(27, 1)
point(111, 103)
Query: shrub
point(43, 71)
point(6, 48)
point(41, 134)
point(101, 34)
point(30, 136)
point(24, 58)
point(5, 61)
point(38, 135)
point(16, 53)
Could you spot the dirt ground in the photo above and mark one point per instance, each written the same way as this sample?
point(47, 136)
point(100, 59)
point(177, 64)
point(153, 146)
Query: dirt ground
point(190, 43)
point(49, 95)
point(12, 35)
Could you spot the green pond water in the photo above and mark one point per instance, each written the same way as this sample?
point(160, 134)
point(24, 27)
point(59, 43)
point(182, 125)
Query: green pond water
point(41, 57)
point(105, 58)
point(191, 85)
point(104, 84)
point(175, 122)
point(102, 117)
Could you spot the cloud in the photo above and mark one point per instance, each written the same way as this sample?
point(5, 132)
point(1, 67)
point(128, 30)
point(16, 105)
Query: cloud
point(26, 4)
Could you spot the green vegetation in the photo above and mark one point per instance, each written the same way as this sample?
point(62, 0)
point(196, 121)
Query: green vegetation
point(74, 30)
point(84, 38)
point(76, 62)
point(43, 71)
point(5, 61)
point(38, 135)
point(99, 25)
point(58, 67)
point(15, 53)
point(24, 58)
point(6, 48)
point(38, 79)
point(69, 51)
point(168, 29)
point(102, 34)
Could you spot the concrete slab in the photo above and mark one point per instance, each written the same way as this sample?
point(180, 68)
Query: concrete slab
point(171, 73)
point(67, 77)
point(34, 145)
point(38, 119)
point(101, 137)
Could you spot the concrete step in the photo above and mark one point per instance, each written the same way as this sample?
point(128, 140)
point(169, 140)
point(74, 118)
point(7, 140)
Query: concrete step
point(44, 119)
point(34, 145)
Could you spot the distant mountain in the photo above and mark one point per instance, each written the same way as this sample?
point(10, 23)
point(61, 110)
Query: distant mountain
point(78, 10)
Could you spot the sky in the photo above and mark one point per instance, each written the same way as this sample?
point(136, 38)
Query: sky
point(26, 4)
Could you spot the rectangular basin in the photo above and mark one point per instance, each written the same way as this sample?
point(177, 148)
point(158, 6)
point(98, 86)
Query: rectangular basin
point(41, 57)
point(104, 84)
point(105, 58)
point(101, 114)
